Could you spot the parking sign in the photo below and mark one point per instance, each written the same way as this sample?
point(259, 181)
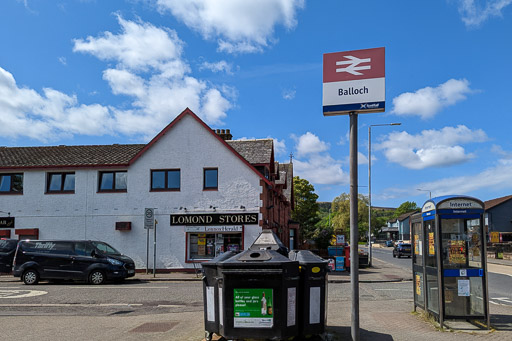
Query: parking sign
point(149, 218)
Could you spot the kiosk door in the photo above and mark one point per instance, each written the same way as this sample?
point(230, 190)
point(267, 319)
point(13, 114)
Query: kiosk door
point(431, 266)
point(463, 274)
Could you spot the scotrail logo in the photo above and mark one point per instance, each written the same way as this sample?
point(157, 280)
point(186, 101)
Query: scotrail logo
point(353, 65)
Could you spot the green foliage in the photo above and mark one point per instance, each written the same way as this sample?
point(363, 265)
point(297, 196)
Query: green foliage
point(405, 207)
point(306, 207)
point(341, 215)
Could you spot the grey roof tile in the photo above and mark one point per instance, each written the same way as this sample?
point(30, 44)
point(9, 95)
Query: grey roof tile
point(254, 151)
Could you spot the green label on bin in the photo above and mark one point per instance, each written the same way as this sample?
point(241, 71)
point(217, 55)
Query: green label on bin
point(253, 308)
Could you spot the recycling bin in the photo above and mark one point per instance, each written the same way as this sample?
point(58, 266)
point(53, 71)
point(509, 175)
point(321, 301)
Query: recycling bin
point(211, 275)
point(268, 240)
point(312, 292)
point(258, 296)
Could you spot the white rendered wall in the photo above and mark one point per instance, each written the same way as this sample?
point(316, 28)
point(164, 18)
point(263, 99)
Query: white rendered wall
point(87, 214)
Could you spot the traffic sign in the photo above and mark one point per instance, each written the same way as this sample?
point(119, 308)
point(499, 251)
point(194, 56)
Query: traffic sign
point(354, 81)
point(149, 218)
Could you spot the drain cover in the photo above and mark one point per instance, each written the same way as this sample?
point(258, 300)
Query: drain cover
point(154, 327)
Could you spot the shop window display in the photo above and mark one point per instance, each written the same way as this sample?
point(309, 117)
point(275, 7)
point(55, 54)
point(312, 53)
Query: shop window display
point(204, 246)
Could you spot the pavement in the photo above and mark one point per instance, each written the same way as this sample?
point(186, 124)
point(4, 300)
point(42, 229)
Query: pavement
point(387, 320)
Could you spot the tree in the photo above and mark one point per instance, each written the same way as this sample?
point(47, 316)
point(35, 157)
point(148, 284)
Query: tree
point(405, 207)
point(341, 218)
point(306, 207)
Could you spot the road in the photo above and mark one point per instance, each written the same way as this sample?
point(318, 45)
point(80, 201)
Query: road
point(499, 277)
point(131, 297)
point(165, 310)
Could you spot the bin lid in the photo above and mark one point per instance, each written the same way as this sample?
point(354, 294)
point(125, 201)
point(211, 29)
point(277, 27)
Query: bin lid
point(268, 240)
point(305, 257)
point(220, 258)
point(260, 259)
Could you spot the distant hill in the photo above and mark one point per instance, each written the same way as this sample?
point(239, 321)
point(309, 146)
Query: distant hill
point(324, 206)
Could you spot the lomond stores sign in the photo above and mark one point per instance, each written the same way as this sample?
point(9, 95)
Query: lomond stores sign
point(214, 219)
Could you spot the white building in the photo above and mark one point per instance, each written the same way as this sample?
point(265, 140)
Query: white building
point(217, 198)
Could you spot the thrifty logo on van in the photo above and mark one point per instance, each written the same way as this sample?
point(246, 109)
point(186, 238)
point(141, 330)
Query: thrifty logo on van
point(44, 246)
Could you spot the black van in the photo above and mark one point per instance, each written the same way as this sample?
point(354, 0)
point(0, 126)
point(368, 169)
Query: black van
point(87, 260)
point(7, 250)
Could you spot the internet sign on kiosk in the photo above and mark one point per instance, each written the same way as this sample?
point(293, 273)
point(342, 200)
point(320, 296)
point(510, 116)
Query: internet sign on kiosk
point(354, 81)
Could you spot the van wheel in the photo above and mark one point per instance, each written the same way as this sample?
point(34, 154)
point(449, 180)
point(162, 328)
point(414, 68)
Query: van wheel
point(30, 277)
point(97, 277)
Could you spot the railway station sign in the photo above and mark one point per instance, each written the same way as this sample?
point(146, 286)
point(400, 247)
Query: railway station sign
point(354, 81)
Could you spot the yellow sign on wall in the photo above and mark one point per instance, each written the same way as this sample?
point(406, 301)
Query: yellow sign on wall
point(431, 245)
point(495, 237)
point(457, 252)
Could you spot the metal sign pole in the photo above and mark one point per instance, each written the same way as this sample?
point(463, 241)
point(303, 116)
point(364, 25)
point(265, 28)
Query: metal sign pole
point(354, 231)
point(147, 251)
point(154, 250)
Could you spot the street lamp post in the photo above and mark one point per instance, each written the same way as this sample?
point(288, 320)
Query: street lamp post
point(426, 190)
point(370, 186)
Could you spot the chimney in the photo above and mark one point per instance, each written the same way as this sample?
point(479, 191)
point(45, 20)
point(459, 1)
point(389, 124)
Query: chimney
point(224, 134)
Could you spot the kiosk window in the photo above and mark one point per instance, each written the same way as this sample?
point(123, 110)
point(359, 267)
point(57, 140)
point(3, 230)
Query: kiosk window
point(431, 248)
point(418, 243)
point(461, 243)
point(204, 246)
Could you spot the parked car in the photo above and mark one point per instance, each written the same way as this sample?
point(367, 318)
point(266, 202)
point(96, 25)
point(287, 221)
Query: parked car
point(92, 261)
point(7, 250)
point(402, 250)
point(389, 243)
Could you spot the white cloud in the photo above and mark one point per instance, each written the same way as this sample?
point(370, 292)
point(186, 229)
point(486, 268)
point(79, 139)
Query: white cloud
point(363, 159)
point(310, 144)
point(320, 170)
point(289, 94)
point(221, 66)
point(314, 164)
point(279, 146)
point(427, 102)
point(496, 177)
point(149, 69)
point(475, 12)
point(499, 150)
point(430, 148)
point(139, 46)
point(47, 116)
point(239, 26)
point(141, 49)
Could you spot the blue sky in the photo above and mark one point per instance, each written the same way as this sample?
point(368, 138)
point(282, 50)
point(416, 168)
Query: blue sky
point(101, 72)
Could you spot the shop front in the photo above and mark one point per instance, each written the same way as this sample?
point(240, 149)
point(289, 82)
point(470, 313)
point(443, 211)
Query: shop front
point(208, 242)
point(209, 235)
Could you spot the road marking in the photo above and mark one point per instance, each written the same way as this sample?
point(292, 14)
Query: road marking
point(503, 299)
point(21, 293)
point(170, 305)
point(72, 305)
point(112, 287)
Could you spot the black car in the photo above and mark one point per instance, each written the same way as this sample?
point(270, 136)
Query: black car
point(7, 250)
point(91, 261)
point(402, 250)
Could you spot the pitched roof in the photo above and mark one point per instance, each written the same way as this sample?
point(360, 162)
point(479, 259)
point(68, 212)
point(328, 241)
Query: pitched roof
point(122, 155)
point(68, 156)
point(255, 151)
point(406, 215)
point(495, 202)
